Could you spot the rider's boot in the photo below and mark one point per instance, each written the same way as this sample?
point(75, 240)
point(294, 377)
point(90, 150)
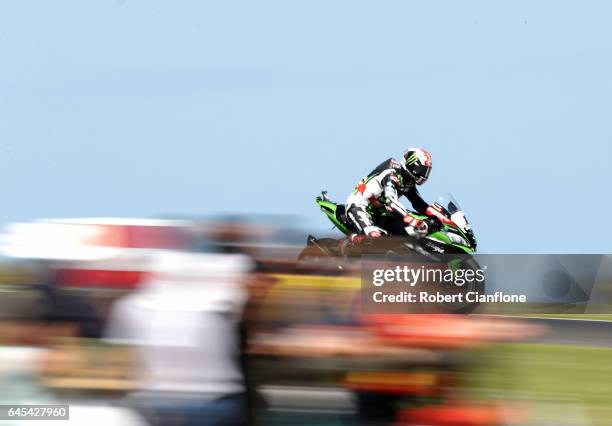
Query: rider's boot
point(352, 245)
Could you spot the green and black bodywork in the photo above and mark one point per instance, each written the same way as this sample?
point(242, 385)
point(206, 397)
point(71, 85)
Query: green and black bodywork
point(444, 237)
point(335, 212)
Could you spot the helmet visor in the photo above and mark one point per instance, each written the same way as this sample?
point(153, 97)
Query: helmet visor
point(421, 174)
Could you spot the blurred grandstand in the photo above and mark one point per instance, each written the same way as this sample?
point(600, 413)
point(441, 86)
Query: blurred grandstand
point(309, 355)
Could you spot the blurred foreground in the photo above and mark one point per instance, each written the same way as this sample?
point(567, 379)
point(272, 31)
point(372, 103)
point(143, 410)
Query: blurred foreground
point(136, 322)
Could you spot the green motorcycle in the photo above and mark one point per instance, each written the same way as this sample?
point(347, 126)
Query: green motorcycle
point(449, 243)
point(449, 232)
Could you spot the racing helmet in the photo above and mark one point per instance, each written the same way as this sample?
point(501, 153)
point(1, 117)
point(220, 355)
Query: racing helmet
point(417, 163)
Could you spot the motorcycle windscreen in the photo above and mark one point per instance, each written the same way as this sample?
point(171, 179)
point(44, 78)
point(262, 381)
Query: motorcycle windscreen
point(452, 206)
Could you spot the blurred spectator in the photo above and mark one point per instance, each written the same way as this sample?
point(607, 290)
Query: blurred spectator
point(183, 324)
point(60, 306)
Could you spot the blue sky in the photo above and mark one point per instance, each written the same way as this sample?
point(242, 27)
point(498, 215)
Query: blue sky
point(143, 108)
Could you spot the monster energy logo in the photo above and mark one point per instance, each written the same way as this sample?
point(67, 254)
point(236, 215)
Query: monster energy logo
point(412, 159)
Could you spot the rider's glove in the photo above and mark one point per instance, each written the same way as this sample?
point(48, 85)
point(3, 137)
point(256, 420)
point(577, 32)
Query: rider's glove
point(437, 218)
point(415, 228)
point(434, 211)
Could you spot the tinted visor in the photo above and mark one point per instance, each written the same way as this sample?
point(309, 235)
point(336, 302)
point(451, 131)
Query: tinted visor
point(421, 174)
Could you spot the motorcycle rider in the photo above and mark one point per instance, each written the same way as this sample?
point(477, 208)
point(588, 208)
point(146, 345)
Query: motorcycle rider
point(380, 191)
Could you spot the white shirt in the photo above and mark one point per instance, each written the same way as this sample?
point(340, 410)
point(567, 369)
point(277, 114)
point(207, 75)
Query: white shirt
point(184, 323)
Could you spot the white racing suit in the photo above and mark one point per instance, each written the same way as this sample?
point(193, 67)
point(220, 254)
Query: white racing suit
point(381, 190)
